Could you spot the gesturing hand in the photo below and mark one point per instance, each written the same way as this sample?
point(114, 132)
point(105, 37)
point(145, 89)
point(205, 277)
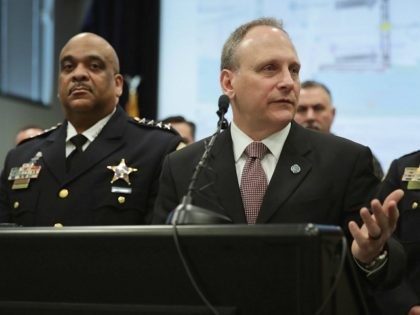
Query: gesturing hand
point(378, 226)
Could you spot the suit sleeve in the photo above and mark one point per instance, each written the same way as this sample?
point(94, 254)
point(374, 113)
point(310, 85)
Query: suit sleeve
point(156, 183)
point(167, 198)
point(397, 300)
point(363, 187)
point(391, 181)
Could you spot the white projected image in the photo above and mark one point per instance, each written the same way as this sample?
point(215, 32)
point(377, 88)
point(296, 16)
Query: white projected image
point(366, 52)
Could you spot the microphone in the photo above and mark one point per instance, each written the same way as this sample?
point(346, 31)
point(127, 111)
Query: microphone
point(223, 108)
point(186, 212)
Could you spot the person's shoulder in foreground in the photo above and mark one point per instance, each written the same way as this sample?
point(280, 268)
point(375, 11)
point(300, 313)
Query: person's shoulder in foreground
point(404, 173)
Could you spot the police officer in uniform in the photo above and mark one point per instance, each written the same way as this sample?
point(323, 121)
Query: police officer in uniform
point(404, 173)
point(100, 167)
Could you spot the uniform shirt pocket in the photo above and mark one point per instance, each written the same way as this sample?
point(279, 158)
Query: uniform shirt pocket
point(409, 220)
point(23, 205)
point(119, 207)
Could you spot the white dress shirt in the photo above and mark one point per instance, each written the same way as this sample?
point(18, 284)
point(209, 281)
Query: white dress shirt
point(274, 143)
point(90, 133)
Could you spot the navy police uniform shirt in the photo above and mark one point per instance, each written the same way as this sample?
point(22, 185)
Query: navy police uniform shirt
point(115, 180)
point(404, 173)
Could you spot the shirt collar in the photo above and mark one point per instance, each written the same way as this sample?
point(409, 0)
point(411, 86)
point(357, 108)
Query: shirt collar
point(90, 133)
point(274, 142)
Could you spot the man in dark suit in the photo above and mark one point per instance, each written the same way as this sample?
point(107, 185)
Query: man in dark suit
point(311, 177)
point(109, 174)
point(404, 173)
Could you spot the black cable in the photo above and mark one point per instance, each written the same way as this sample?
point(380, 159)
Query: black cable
point(337, 276)
point(187, 199)
point(189, 272)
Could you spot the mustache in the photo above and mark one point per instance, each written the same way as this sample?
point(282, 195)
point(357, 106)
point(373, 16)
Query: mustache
point(79, 85)
point(312, 125)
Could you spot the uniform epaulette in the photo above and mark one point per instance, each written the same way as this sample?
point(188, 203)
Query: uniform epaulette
point(150, 123)
point(411, 153)
point(42, 134)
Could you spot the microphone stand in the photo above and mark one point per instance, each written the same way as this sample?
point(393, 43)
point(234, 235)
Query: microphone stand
point(186, 212)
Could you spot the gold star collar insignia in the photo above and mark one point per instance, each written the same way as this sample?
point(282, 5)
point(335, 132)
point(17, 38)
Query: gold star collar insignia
point(121, 171)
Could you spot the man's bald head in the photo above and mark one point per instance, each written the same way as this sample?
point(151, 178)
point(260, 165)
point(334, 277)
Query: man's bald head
point(89, 82)
point(90, 39)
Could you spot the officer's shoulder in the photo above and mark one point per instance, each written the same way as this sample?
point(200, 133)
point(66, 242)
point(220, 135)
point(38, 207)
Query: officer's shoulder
point(152, 124)
point(409, 155)
point(42, 135)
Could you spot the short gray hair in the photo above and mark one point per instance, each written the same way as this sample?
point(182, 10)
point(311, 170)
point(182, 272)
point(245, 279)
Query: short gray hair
point(316, 84)
point(228, 60)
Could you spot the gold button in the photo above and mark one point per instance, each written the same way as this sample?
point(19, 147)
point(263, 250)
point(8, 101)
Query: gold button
point(414, 205)
point(16, 204)
point(121, 199)
point(63, 193)
point(58, 225)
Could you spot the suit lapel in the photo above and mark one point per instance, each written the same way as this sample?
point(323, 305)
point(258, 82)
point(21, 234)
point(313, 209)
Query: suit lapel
point(226, 185)
point(290, 171)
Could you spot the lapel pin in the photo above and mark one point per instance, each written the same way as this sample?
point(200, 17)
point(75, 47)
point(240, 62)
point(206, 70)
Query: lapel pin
point(295, 168)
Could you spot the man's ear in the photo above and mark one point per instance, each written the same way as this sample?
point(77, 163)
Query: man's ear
point(227, 78)
point(119, 83)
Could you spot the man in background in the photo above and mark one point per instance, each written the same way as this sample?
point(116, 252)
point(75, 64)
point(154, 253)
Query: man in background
point(99, 167)
point(315, 111)
point(184, 127)
point(27, 132)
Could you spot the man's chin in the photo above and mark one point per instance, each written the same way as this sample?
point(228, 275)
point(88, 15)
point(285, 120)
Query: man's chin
point(80, 105)
point(281, 118)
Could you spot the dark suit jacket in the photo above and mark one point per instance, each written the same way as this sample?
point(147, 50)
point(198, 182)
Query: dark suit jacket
point(399, 300)
point(91, 199)
point(335, 180)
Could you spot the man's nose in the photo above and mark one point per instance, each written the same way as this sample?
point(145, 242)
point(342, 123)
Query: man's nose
point(80, 73)
point(285, 80)
point(310, 113)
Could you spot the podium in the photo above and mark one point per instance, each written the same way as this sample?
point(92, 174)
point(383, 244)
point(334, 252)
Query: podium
point(258, 269)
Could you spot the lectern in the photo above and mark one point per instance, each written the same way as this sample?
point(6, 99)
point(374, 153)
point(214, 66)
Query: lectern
point(259, 269)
